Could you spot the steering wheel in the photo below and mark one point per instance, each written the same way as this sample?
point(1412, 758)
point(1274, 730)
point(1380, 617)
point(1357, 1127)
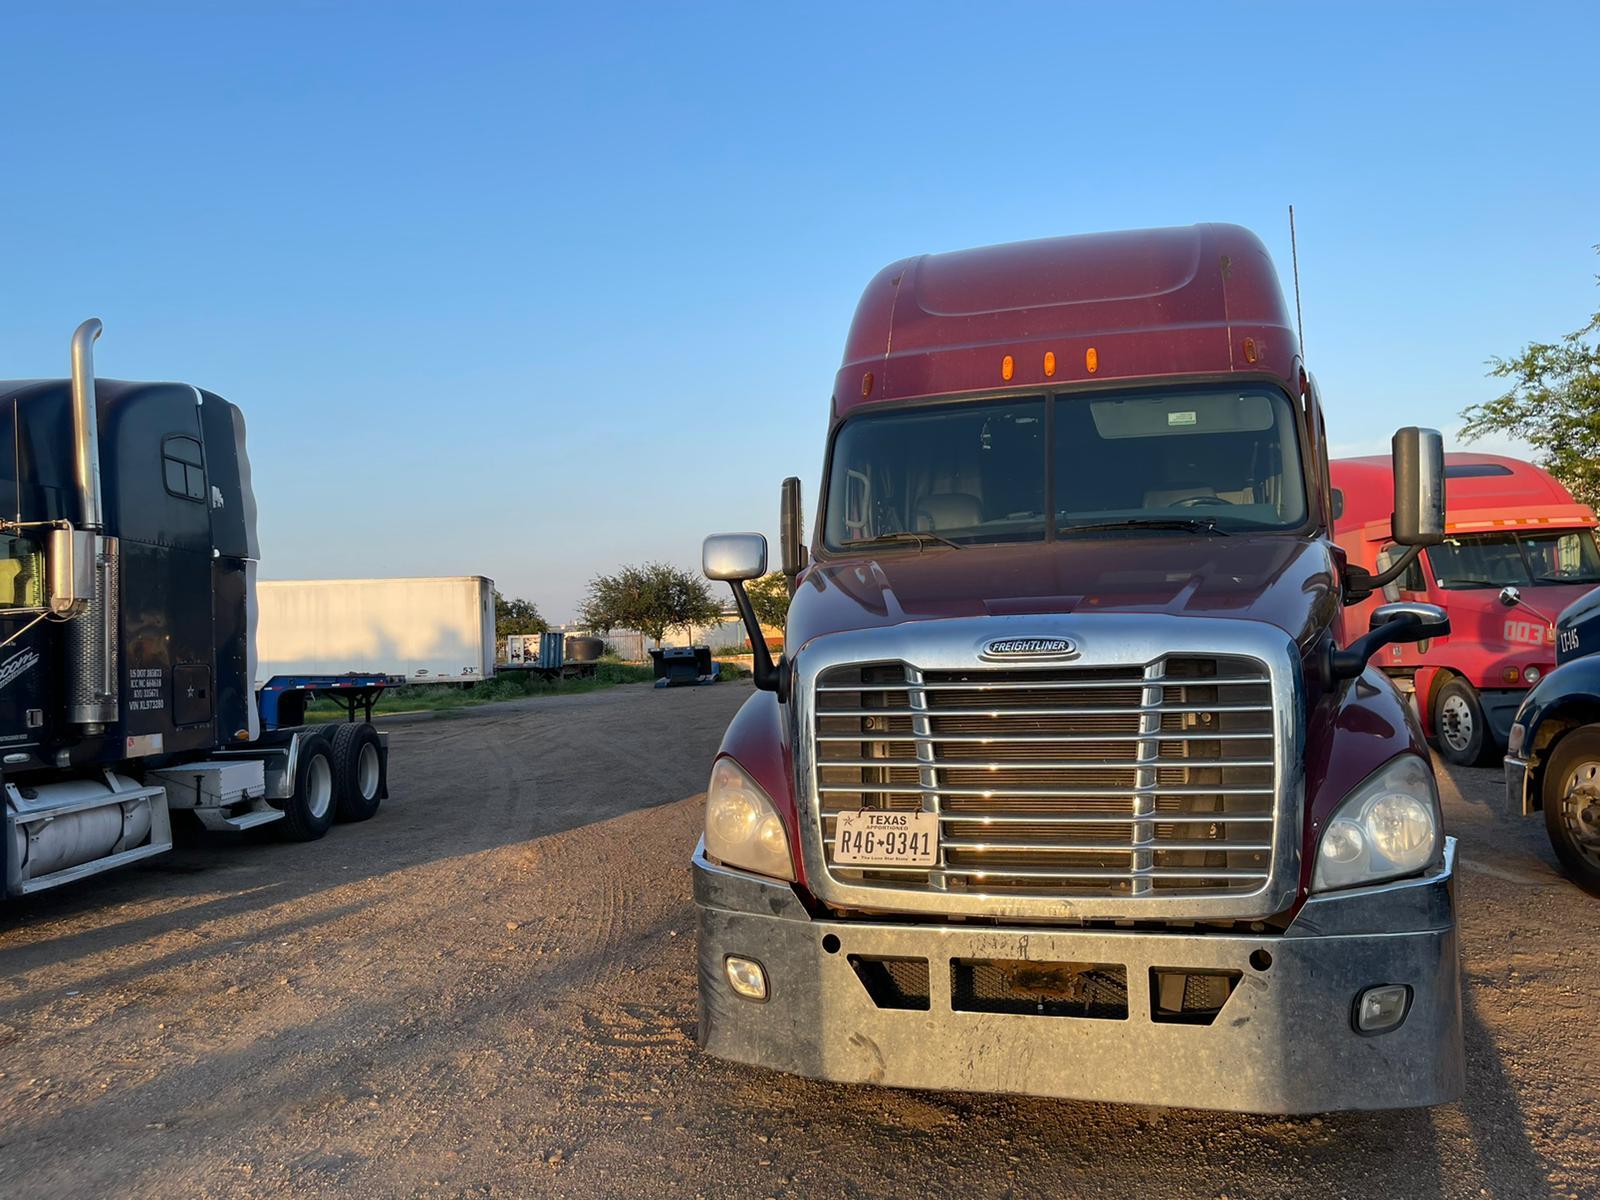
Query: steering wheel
point(1202, 502)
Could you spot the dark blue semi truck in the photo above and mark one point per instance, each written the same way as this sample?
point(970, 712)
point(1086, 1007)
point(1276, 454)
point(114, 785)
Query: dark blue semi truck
point(1553, 756)
point(127, 614)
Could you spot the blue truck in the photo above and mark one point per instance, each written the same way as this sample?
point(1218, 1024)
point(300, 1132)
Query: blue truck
point(127, 638)
point(1552, 763)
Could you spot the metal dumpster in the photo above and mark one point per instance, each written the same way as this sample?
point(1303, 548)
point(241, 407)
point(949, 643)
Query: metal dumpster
point(675, 665)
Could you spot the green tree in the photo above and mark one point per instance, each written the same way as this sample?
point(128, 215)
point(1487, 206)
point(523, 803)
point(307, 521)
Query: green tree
point(652, 598)
point(769, 596)
point(516, 616)
point(1553, 404)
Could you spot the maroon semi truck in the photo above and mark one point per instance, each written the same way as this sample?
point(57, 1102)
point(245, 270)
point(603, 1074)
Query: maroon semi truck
point(1071, 781)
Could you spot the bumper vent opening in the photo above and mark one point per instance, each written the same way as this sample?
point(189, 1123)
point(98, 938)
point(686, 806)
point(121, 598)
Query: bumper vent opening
point(1049, 989)
point(1180, 997)
point(893, 982)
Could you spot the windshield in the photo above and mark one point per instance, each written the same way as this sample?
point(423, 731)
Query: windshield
point(1027, 469)
point(1522, 559)
point(21, 574)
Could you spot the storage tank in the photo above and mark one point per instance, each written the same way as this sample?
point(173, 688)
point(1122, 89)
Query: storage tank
point(428, 630)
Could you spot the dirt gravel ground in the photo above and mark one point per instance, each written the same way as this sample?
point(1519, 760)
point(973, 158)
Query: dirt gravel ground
point(489, 991)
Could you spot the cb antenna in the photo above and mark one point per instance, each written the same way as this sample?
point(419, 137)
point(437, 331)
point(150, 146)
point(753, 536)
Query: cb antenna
point(1294, 257)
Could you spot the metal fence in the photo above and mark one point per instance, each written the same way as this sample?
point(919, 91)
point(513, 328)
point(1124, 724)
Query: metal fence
point(633, 646)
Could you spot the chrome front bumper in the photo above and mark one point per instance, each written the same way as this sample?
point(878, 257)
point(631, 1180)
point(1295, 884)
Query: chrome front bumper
point(1282, 1043)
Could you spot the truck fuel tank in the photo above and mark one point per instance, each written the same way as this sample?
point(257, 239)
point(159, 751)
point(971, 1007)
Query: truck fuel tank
point(76, 827)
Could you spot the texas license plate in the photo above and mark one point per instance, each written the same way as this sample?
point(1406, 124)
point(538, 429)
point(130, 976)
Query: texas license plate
point(872, 838)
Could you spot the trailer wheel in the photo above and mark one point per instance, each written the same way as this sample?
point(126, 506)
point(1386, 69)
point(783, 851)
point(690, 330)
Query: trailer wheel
point(359, 772)
point(308, 813)
point(1459, 726)
point(1572, 805)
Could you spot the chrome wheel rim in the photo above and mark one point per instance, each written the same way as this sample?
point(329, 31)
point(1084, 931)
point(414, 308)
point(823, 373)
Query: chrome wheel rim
point(319, 786)
point(1455, 723)
point(1580, 810)
point(367, 771)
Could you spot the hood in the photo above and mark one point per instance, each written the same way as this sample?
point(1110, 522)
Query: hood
point(1527, 631)
point(1285, 581)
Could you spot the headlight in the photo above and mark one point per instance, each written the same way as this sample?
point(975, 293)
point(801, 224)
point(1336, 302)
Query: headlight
point(743, 829)
point(1387, 827)
point(1531, 674)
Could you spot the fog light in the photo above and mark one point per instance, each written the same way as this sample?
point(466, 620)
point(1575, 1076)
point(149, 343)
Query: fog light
point(1531, 674)
point(1380, 1009)
point(746, 977)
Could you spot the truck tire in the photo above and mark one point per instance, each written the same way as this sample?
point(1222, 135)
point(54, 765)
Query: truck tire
point(308, 813)
point(1571, 795)
point(1460, 729)
point(359, 772)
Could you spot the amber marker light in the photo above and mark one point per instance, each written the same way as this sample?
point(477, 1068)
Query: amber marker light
point(1250, 350)
point(1007, 368)
point(1091, 360)
point(1049, 363)
point(866, 385)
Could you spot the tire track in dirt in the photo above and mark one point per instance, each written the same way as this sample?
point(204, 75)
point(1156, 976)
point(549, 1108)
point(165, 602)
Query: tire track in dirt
point(376, 1024)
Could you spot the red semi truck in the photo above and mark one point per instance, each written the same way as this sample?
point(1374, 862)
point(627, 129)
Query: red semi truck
point(1067, 782)
point(1518, 549)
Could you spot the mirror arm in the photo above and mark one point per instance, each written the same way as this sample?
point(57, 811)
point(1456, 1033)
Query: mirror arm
point(1352, 660)
point(769, 676)
point(1360, 583)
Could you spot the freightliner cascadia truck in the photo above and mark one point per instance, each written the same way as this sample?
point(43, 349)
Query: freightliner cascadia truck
point(1071, 779)
point(1518, 549)
point(127, 659)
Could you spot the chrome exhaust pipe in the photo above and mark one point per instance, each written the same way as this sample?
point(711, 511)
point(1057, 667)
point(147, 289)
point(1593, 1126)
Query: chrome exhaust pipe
point(92, 691)
point(86, 426)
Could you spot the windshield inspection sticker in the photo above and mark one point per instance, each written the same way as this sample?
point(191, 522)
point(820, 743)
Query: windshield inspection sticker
point(18, 664)
point(1180, 418)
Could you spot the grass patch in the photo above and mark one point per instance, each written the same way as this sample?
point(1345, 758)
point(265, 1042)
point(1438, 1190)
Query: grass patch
point(512, 685)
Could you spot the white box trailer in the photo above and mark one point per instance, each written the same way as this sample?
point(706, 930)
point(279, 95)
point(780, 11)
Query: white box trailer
point(433, 630)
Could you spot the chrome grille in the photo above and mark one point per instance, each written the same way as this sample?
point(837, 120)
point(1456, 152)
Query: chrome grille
point(1077, 781)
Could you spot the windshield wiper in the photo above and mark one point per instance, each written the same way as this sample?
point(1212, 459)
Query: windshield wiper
point(1185, 524)
point(923, 540)
point(1452, 581)
point(1586, 580)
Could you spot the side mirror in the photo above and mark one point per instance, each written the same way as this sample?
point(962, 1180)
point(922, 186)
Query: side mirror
point(1510, 597)
point(734, 558)
point(791, 531)
point(731, 557)
point(1418, 456)
point(1402, 622)
point(1430, 620)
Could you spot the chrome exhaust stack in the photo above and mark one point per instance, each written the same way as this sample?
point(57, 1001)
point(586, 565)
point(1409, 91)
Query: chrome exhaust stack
point(86, 427)
point(92, 692)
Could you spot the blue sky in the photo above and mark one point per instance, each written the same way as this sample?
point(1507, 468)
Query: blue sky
point(532, 291)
